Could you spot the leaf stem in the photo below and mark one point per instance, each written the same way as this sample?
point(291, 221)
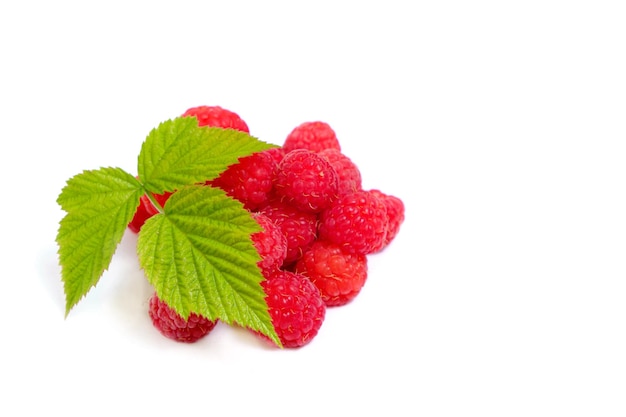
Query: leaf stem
point(154, 201)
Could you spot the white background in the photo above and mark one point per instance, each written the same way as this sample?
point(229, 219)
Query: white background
point(501, 125)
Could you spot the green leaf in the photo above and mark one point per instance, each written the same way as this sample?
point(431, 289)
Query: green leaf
point(199, 257)
point(99, 205)
point(179, 152)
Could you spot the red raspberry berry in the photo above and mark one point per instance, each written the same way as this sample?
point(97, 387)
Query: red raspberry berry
point(295, 306)
point(173, 326)
point(357, 222)
point(250, 180)
point(314, 136)
point(338, 275)
point(306, 180)
point(395, 214)
point(298, 227)
point(216, 116)
point(162, 198)
point(348, 173)
point(146, 209)
point(277, 154)
point(270, 243)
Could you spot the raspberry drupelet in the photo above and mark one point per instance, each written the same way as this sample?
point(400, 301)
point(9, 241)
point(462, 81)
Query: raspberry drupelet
point(306, 180)
point(295, 307)
point(348, 173)
point(339, 275)
point(314, 136)
point(250, 180)
point(270, 243)
point(395, 215)
point(173, 326)
point(216, 116)
point(298, 227)
point(356, 221)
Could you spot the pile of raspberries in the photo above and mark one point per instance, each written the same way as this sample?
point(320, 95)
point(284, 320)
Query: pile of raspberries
point(318, 227)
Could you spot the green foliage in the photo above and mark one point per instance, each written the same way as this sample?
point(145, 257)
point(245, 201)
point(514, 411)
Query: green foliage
point(199, 257)
point(99, 206)
point(178, 153)
point(197, 253)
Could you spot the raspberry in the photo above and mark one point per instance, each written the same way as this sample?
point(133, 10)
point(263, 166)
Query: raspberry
point(357, 222)
point(314, 136)
point(395, 214)
point(270, 243)
point(145, 210)
point(338, 275)
point(250, 180)
point(216, 116)
point(306, 180)
point(348, 173)
point(173, 326)
point(298, 227)
point(277, 154)
point(295, 306)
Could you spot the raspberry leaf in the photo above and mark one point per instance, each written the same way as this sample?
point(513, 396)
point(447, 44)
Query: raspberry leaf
point(99, 204)
point(178, 152)
point(199, 257)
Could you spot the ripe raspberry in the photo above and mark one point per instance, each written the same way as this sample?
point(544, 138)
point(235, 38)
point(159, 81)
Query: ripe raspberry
point(348, 173)
point(357, 222)
point(270, 243)
point(216, 116)
point(395, 214)
point(250, 180)
point(298, 227)
point(145, 210)
point(314, 136)
point(173, 326)
point(338, 275)
point(295, 306)
point(306, 180)
point(277, 154)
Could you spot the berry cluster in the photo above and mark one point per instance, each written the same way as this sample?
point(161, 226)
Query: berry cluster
point(318, 227)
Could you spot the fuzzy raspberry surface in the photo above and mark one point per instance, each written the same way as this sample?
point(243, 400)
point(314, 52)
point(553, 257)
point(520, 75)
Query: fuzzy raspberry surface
point(306, 180)
point(295, 307)
point(339, 275)
point(270, 243)
point(250, 180)
point(356, 221)
point(173, 326)
point(216, 116)
point(395, 215)
point(314, 136)
point(348, 173)
point(277, 154)
point(298, 227)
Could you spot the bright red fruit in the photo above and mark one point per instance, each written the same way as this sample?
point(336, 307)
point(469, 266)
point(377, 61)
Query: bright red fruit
point(314, 136)
point(306, 180)
point(295, 306)
point(146, 209)
point(270, 243)
point(339, 275)
point(216, 116)
point(173, 326)
point(356, 221)
point(298, 227)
